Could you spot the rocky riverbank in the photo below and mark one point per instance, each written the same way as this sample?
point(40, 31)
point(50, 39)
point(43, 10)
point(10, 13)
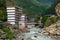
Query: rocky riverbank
point(53, 29)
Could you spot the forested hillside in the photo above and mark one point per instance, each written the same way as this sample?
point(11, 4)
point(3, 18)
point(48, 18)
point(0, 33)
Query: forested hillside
point(51, 10)
point(34, 7)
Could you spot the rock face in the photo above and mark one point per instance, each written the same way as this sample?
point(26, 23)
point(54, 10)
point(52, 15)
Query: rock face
point(57, 8)
point(53, 29)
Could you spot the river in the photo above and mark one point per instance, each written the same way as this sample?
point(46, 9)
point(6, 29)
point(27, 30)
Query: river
point(35, 34)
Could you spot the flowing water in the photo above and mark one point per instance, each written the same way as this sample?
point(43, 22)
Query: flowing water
point(34, 34)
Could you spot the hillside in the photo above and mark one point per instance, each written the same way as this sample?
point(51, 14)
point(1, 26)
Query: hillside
point(46, 1)
point(34, 7)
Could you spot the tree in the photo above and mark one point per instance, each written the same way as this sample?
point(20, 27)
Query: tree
point(32, 7)
point(3, 16)
point(51, 10)
point(56, 2)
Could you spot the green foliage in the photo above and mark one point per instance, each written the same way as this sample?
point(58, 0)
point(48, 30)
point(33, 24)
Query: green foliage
point(15, 27)
point(2, 3)
point(56, 2)
point(50, 20)
point(32, 7)
point(44, 18)
point(37, 19)
point(0, 33)
point(51, 10)
point(7, 29)
point(3, 14)
point(1, 26)
point(9, 33)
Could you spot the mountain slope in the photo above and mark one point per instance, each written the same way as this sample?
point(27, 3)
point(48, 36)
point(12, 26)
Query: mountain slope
point(34, 7)
point(46, 1)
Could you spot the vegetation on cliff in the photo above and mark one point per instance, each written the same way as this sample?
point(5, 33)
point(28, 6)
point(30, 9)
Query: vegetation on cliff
point(50, 20)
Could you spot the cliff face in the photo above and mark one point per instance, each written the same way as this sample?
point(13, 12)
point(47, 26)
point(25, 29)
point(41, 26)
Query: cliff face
point(57, 8)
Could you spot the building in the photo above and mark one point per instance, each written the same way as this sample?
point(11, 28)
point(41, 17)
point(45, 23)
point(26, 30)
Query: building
point(16, 17)
point(22, 21)
point(13, 14)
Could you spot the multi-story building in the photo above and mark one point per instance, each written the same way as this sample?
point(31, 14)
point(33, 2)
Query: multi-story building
point(13, 14)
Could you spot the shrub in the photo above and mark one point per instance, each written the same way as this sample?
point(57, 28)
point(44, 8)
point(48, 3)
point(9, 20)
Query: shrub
point(51, 20)
point(9, 33)
point(44, 18)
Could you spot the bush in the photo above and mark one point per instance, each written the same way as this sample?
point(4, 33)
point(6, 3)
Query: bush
point(44, 18)
point(1, 26)
point(9, 33)
point(0, 33)
point(51, 20)
point(6, 29)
